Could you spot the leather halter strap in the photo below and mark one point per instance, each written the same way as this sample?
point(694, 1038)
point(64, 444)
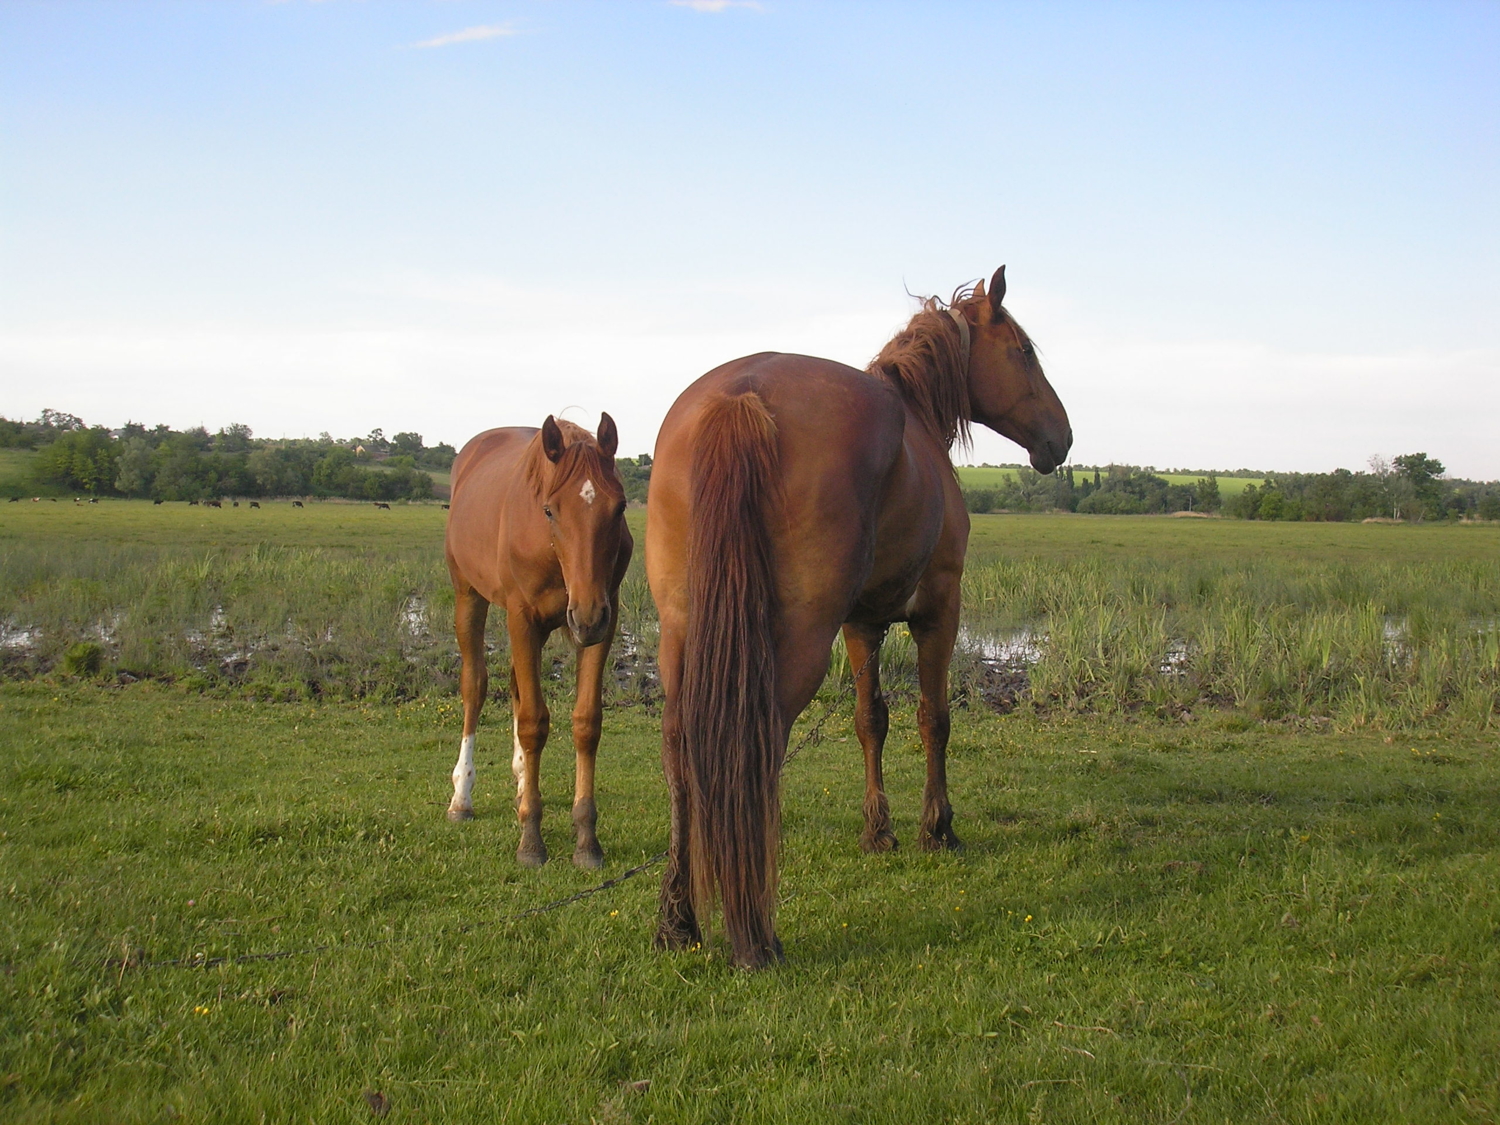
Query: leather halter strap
point(963, 334)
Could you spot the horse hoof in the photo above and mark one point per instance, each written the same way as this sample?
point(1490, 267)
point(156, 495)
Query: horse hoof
point(589, 860)
point(947, 842)
point(760, 958)
point(670, 939)
point(878, 842)
point(528, 857)
point(458, 816)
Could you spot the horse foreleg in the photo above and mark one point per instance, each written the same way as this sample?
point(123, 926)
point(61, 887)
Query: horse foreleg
point(588, 715)
point(934, 639)
point(529, 725)
point(871, 720)
point(678, 928)
point(470, 613)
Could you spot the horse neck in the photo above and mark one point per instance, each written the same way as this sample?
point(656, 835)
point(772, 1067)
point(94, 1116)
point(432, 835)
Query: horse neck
point(924, 362)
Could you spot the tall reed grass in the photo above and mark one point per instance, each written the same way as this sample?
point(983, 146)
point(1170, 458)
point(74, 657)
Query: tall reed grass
point(283, 621)
point(1355, 644)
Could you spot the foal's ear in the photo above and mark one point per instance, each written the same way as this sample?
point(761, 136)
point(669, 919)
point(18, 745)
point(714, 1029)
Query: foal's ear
point(552, 439)
point(997, 290)
point(608, 437)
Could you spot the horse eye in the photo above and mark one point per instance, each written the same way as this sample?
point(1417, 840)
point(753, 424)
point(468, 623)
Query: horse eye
point(547, 510)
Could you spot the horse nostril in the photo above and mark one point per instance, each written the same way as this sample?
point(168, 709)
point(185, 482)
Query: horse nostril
point(592, 629)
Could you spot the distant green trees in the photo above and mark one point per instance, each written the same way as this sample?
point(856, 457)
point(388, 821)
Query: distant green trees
point(29, 435)
point(1410, 487)
point(1116, 490)
point(167, 464)
point(635, 475)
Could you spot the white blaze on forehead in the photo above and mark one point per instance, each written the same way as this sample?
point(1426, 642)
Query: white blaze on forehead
point(587, 492)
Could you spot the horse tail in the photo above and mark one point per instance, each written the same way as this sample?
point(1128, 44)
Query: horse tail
point(733, 739)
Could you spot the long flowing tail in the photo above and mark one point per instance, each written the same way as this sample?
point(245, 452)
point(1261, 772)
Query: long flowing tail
point(733, 739)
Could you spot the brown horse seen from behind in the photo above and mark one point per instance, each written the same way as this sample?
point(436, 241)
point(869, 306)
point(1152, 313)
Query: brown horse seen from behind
point(537, 526)
point(792, 497)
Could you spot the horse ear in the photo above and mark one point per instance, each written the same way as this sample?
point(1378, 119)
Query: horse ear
point(552, 439)
point(979, 288)
point(997, 290)
point(609, 437)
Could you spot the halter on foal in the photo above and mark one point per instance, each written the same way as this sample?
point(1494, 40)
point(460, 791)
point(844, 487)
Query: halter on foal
point(792, 497)
point(537, 525)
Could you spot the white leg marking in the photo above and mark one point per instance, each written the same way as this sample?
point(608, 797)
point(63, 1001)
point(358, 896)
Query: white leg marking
point(463, 778)
point(517, 756)
point(587, 492)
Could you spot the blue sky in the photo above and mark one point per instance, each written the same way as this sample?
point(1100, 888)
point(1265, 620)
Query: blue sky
point(1257, 235)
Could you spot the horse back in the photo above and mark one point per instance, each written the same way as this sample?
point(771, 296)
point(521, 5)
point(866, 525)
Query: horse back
point(840, 437)
point(484, 477)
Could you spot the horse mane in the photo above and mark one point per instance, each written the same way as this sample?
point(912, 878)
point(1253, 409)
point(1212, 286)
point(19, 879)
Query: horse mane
point(581, 457)
point(926, 364)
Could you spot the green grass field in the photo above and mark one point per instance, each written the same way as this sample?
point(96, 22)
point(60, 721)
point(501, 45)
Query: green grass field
point(339, 525)
point(16, 477)
point(1169, 909)
point(1151, 923)
point(979, 476)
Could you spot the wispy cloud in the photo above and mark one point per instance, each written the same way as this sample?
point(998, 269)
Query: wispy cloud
point(470, 35)
point(717, 5)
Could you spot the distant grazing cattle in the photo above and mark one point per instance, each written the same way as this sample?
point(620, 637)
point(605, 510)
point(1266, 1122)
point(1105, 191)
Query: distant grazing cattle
point(93, 499)
point(15, 499)
point(296, 503)
point(255, 504)
point(382, 504)
point(156, 503)
point(192, 503)
point(236, 503)
point(213, 504)
point(53, 499)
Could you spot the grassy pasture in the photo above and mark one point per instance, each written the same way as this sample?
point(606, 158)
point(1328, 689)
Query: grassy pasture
point(1152, 922)
point(335, 525)
point(1165, 539)
point(979, 476)
point(16, 476)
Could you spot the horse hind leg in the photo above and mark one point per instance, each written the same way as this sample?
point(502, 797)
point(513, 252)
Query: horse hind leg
point(871, 721)
point(678, 927)
point(471, 613)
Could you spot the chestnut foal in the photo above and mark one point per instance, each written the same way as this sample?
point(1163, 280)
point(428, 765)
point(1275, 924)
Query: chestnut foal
point(537, 526)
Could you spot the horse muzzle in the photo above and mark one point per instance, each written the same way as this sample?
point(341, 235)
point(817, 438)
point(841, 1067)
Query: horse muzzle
point(589, 626)
point(1048, 454)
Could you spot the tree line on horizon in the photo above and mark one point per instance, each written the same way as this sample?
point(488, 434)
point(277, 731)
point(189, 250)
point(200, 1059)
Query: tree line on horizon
point(165, 464)
point(1410, 487)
